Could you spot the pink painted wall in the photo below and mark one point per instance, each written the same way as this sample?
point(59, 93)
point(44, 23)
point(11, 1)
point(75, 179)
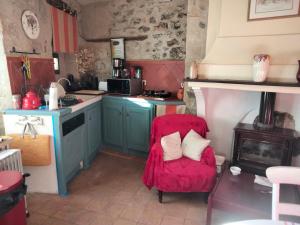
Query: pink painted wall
point(161, 74)
point(42, 72)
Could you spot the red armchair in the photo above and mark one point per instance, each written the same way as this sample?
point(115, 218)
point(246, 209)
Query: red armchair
point(184, 174)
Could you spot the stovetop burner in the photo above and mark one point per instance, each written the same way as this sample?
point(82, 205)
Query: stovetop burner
point(157, 94)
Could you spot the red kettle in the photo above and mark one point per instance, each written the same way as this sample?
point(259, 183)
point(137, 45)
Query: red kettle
point(31, 101)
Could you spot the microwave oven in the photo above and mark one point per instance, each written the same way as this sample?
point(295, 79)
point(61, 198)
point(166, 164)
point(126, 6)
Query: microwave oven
point(125, 86)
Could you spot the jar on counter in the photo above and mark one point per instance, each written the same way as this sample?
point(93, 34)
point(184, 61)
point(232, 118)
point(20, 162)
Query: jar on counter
point(16, 101)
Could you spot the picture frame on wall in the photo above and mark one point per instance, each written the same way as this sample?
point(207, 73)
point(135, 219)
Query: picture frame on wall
point(270, 9)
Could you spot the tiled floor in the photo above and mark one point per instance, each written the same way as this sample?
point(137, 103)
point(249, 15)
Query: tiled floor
point(111, 193)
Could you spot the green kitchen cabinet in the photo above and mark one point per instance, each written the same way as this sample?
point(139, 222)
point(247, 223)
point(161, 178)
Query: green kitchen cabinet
point(137, 126)
point(126, 125)
point(93, 131)
point(112, 120)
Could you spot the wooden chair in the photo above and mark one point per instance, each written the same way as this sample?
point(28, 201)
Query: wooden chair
point(283, 175)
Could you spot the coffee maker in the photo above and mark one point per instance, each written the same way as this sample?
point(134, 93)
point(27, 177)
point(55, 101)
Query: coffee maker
point(117, 67)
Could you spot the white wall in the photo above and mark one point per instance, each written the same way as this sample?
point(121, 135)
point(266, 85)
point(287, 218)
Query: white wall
point(231, 43)
point(5, 90)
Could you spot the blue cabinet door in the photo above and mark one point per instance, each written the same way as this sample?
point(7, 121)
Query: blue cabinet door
point(73, 145)
point(112, 122)
point(137, 126)
point(94, 132)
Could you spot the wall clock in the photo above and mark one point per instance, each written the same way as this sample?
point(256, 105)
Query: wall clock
point(30, 24)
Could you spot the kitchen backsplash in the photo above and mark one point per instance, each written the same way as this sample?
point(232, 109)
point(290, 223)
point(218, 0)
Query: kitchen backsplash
point(161, 74)
point(42, 73)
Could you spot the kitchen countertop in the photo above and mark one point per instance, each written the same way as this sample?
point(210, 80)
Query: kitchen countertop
point(90, 99)
point(87, 100)
point(153, 100)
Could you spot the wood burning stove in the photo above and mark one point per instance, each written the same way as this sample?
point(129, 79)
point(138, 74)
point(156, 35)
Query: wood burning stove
point(256, 149)
point(261, 145)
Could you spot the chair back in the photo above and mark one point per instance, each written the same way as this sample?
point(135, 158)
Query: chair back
point(168, 124)
point(283, 175)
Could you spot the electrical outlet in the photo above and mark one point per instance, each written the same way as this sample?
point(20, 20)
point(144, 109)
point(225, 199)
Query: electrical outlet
point(81, 164)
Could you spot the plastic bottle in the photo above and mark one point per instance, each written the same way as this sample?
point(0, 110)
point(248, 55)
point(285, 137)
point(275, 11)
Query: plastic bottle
point(53, 97)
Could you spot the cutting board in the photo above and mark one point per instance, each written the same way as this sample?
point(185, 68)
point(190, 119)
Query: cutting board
point(89, 92)
point(34, 151)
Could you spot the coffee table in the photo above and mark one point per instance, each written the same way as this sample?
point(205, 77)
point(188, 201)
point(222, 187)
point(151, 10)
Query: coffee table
point(240, 195)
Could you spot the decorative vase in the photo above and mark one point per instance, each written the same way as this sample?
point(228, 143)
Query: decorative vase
point(193, 70)
point(298, 73)
point(180, 94)
point(261, 65)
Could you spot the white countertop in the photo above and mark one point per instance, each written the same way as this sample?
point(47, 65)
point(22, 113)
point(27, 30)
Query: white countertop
point(87, 100)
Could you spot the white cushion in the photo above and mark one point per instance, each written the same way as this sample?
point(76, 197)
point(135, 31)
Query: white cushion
point(193, 145)
point(171, 145)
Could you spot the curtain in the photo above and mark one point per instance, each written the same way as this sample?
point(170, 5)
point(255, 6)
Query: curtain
point(64, 29)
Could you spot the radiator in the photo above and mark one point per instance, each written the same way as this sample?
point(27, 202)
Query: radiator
point(11, 160)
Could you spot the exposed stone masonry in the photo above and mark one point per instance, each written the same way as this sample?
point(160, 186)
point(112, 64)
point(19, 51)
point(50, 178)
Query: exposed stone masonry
point(163, 22)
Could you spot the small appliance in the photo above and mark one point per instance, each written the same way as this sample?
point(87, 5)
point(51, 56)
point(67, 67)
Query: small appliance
point(125, 86)
point(31, 101)
point(118, 67)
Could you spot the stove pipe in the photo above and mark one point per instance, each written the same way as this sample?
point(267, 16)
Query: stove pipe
point(266, 110)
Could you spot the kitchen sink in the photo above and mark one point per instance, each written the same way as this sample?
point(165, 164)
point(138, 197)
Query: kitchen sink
point(83, 101)
point(70, 99)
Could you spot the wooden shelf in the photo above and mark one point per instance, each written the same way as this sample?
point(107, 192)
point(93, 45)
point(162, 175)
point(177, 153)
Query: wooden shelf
point(107, 39)
point(277, 87)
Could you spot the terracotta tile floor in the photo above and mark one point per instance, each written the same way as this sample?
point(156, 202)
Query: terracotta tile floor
point(111, 193)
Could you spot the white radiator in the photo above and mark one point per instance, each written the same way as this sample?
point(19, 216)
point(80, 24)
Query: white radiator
point(11, 160)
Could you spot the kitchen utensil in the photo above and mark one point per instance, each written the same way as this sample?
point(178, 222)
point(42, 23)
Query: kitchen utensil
point(31, 101)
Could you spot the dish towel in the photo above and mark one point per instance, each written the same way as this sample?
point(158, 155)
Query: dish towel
point(169, 109)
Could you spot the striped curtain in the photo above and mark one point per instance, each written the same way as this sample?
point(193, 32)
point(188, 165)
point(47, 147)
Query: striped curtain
point(65, 35)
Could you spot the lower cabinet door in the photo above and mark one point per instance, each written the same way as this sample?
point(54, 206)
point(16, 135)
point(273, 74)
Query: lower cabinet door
point(112, 122)
point(137, 122)
point(72, 154)
point(93, 129)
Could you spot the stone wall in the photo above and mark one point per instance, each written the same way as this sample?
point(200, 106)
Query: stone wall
point(195, 46)
point(164, 23)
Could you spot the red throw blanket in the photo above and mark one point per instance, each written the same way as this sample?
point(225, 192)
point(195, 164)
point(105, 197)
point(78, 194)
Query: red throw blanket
point(181, 175)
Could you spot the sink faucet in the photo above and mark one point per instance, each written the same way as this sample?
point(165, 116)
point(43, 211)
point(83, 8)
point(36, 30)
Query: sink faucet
point(64, 79)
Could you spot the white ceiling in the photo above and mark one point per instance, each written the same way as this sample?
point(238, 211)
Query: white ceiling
point(85, 2)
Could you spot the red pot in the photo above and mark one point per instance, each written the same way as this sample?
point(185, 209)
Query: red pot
point(31, 101)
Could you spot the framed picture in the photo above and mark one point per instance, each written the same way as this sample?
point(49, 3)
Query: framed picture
point(266, 9)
